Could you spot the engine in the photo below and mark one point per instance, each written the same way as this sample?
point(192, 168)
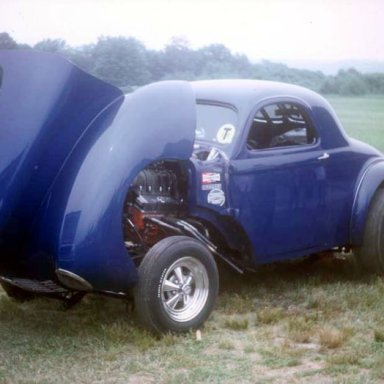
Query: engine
point(156, 208)
point(157, 191)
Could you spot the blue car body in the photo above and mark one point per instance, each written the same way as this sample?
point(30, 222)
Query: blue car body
point(73, 147)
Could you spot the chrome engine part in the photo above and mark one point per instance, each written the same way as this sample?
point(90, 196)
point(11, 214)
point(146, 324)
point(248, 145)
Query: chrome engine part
point(157, 191)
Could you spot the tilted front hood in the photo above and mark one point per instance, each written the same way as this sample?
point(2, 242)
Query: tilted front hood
point(82, 218)
point(46, 103)
point(70, 146)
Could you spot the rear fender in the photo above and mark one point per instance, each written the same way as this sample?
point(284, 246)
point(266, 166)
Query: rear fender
point(371, 180)
point(227, 232)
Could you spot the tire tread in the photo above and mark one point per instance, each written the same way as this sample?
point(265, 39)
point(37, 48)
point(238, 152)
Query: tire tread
point(371, 253)
point(151, 263)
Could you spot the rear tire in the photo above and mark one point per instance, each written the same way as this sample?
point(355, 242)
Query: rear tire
point(178, 285)
point(16, 293)
point(370, 254)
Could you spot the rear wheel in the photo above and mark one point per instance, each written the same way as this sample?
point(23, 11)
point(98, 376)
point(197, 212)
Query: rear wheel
point(371, 253)
point(16, 293)
point(178, 285)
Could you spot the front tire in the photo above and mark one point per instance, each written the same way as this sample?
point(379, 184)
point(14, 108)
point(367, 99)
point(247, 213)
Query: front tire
point(370, 254)
point(178, 285)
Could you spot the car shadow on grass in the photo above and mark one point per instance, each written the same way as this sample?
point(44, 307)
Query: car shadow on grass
point(317, 269)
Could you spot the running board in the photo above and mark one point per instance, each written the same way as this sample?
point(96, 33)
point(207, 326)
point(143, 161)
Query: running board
point(35, 286)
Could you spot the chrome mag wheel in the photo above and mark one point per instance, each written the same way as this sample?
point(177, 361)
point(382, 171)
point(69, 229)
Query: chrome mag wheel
point(178, 285)
point(184, 289)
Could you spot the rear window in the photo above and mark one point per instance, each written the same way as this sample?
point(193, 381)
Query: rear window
point(280, 125)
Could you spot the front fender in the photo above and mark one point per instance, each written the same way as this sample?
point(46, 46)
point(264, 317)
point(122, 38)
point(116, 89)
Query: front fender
point(371, 179)
point(81, 222)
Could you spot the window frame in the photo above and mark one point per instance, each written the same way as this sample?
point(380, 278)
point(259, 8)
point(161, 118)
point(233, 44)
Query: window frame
point(304, 109)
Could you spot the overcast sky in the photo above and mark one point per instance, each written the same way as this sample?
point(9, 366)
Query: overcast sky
point(262, 29)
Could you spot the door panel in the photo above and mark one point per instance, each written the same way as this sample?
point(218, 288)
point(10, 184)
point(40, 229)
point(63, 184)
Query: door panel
point(279, 200)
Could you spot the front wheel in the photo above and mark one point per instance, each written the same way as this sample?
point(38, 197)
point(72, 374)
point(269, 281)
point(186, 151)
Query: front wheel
point(178, 285)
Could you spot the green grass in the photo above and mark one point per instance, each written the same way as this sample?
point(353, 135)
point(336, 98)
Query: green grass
point(362, 117)
point(319, 321)
point(302, 322)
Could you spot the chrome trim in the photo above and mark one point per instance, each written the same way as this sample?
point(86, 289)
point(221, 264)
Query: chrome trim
point(324, 156)
point(67, 277)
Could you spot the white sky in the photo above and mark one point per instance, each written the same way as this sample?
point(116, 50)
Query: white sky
point(268, 29)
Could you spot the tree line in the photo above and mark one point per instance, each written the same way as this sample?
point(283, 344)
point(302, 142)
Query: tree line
point(126, 63)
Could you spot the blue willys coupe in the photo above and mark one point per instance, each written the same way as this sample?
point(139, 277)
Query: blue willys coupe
point(143, 193)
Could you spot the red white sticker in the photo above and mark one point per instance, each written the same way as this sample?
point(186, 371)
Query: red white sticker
point(208, 178)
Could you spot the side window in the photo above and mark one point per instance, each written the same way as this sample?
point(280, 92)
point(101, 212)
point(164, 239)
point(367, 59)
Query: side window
point(280, 125)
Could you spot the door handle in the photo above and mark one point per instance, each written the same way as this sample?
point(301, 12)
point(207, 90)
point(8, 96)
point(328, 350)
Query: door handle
point(324, 156)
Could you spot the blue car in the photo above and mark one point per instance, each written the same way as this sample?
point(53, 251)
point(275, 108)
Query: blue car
point(143, 194)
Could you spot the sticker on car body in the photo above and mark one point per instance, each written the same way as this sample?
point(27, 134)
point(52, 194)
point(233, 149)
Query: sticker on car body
point(210, 177)
point(216, 197)
point(209, 187)
point(225, 134)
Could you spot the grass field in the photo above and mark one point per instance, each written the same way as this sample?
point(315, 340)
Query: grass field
point(318, 322)
point(362, 117)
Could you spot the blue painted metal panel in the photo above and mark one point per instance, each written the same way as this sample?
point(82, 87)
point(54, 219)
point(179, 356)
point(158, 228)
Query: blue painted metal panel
point(288, 201)
point(371, 178)
point(70, 147)
point(81, 222)
point(46, 103)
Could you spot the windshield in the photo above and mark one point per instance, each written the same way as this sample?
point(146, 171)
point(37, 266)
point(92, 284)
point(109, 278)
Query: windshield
point(216, 124)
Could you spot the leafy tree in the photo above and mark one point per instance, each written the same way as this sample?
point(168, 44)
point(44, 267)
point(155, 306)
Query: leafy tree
point(51, 45)
point(242, 65)
point(120, 61)
point(352, 85)
point(346, 82)
point(82, 56)
point(23, 46)
point(126, 63)
point(6, 41)
point(216, 52)
point(156, 65)
point(216, 61)
point(329, 86)
point(375, 82)
point(179, 58)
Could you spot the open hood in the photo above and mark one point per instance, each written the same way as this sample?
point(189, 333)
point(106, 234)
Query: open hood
point(46, 103)
point(82, 220)
point(70, 146)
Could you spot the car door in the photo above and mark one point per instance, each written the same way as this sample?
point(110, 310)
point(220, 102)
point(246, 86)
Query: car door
point(279, 183)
